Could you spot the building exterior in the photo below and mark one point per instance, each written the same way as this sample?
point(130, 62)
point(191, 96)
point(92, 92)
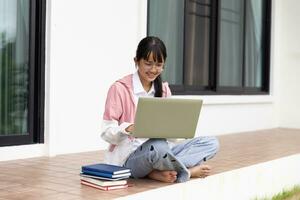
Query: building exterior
point(90, 44)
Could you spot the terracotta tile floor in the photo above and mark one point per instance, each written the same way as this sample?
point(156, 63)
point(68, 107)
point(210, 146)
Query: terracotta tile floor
point(57, 178)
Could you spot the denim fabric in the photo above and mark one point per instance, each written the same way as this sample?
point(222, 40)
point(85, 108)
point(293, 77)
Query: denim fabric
point(194, 151)
point(156, 154)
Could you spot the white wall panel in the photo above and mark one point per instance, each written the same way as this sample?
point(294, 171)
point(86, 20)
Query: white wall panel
point(91, 43)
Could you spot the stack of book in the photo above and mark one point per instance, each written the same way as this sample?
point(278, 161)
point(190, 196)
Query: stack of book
point(105, 176)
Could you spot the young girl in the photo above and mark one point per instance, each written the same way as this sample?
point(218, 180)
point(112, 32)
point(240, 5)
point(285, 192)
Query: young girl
point(157, 159)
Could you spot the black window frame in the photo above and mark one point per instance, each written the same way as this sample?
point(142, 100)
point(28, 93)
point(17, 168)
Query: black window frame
point(213, 87)
point(36, 79)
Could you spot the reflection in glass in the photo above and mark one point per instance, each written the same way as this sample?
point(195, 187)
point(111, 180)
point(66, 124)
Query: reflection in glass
point(166, 22)
point(231, 43)
point(254, 44)
point(14, 62)
point(197, 42)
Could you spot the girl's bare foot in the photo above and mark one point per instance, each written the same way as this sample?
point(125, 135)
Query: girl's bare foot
point(167, 176)
point(200, 171)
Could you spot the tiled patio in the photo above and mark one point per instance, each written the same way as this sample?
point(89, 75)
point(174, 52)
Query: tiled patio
point(58, 177)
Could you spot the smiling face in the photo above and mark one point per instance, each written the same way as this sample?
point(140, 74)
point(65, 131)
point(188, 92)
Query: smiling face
point(149, 69)
point(151, 55)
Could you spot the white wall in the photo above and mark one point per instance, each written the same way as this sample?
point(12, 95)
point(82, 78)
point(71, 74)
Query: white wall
point(92, 43)
point(289, 64)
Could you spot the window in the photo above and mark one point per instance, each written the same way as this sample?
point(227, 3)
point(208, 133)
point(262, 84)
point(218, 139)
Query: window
point(22, 28)
point(214, 46)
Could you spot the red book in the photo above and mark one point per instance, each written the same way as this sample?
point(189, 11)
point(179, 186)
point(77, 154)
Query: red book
point(106, 188)
point(103, 183)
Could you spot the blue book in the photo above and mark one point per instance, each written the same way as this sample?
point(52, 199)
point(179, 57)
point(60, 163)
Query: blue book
point(102, 178)
point(107, 175)
point(105, 168)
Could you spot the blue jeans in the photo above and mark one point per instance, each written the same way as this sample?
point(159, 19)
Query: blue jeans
point(156, 154)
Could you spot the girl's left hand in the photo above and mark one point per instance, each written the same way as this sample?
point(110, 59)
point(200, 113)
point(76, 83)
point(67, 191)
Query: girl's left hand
point(130, 128)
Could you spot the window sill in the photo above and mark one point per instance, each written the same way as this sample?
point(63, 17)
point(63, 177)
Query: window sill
point(22, 151)
point(230, 99)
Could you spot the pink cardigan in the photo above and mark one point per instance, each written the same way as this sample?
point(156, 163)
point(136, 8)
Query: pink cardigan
point(119, 113)
point(120, 103)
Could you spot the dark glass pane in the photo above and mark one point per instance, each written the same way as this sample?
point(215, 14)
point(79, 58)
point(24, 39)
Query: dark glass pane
point(231, 43)
point(14, 62)
point(254, 43)
point(197, 43)
point(165, 20)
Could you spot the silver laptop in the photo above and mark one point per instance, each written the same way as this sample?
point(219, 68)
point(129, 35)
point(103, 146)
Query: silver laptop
point(166, 118)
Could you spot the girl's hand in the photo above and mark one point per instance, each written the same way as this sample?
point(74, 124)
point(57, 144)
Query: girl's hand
point(130, 128)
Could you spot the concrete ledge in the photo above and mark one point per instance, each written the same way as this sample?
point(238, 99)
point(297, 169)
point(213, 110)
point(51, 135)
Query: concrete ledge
point(259, 180)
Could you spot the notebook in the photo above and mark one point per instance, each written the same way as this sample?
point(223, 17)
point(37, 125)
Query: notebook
point(102, 178)
point(105, 168)
point(107, 175)
point(106, 188)
point(103, 182)
point(166, 118)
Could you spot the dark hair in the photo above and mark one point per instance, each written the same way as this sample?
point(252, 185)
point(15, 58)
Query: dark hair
point(158, 49)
